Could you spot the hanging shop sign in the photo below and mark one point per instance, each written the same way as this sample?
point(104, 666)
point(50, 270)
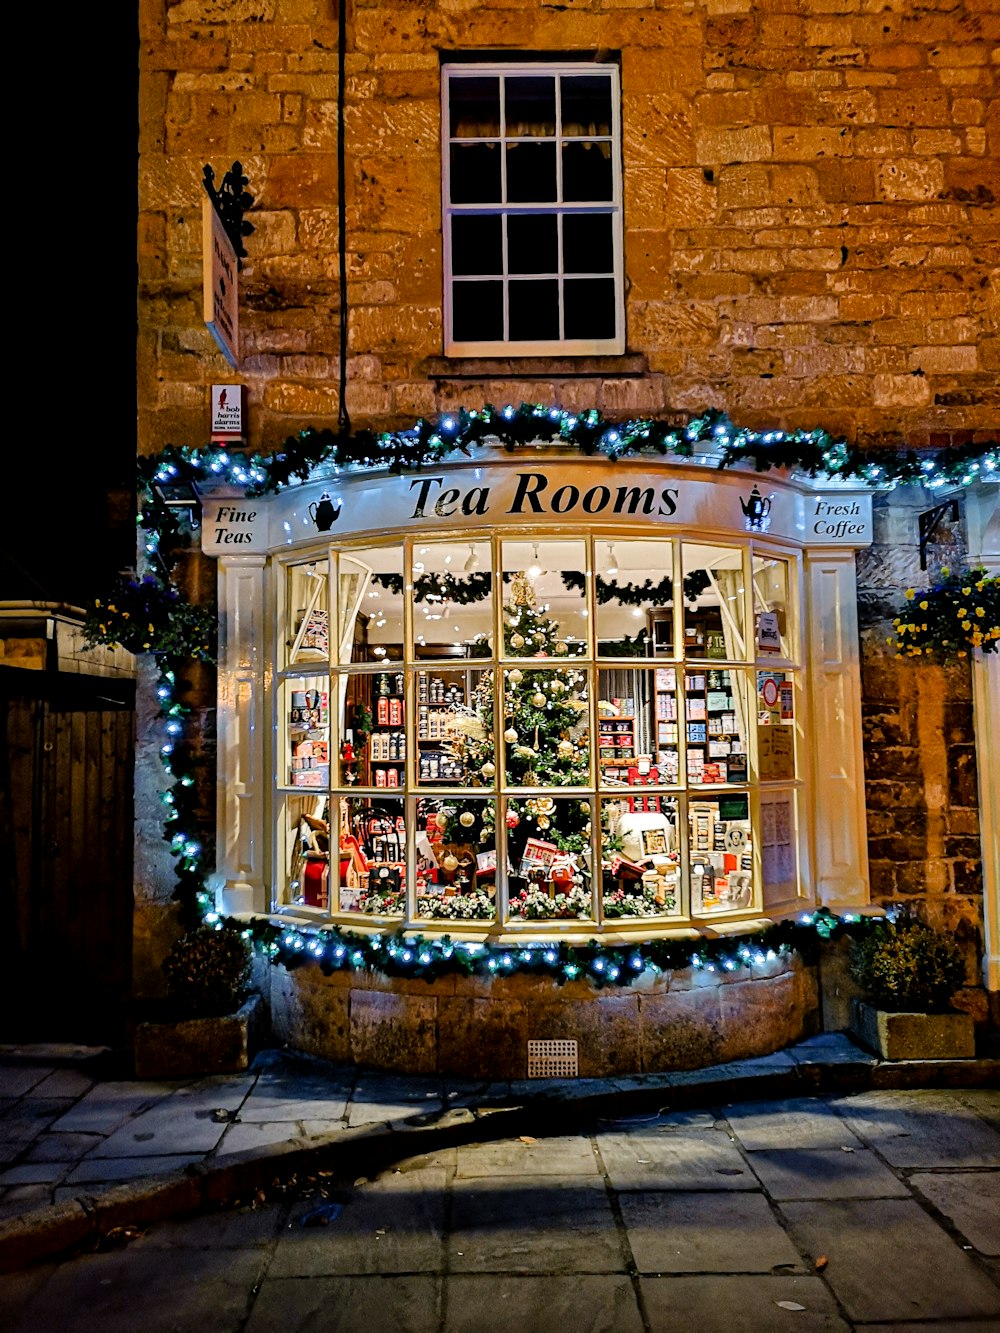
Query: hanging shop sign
point(220, 287)
point(556, 493)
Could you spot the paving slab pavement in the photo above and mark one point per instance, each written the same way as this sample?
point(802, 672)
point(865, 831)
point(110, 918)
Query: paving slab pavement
point(83, 1147)
point(530, 1233)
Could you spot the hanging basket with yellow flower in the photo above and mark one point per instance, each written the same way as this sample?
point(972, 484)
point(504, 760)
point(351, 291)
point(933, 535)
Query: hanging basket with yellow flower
point(148, 615)
point(953, 619)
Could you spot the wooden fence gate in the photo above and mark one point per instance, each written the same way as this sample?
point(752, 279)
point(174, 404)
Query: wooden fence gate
point(66, 814)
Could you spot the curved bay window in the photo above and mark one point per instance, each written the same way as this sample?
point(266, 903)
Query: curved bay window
point(500, 732)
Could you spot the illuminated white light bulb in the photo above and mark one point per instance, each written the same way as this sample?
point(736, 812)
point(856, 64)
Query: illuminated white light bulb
point(534, 569)
point(612, 560)
point(473, 560)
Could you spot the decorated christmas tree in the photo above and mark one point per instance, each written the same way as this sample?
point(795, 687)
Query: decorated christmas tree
point(544, 731)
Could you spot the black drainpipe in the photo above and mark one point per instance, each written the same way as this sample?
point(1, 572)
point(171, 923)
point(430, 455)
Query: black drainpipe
point(343, 418)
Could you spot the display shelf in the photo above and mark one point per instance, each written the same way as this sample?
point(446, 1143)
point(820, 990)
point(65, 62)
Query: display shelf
point(666, 722)
point(716, 749)
point(439, 694)
point(309, 738)
point(616, 740)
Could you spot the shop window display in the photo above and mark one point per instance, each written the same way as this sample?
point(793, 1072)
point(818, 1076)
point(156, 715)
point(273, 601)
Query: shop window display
point(563, 738)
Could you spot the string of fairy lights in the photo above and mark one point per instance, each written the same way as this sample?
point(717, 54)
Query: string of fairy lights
point(602, 964)
point(174, 636)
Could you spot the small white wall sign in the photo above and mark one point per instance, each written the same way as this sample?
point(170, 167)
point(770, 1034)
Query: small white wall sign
point(228, 412)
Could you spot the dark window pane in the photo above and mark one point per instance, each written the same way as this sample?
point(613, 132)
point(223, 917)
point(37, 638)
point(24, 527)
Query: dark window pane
point(589, 307)
point(531, 173)
point(474, 108)
point(476, 244)
point(477, 311)
point(534, 310)
point(531, 106)
point(588, 246)
point(475, 173)
point(586, 104)
point(586, 172)
point(532, 244)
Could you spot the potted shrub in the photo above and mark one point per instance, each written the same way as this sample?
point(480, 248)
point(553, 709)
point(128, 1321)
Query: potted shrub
point(908, 973)
point(212, 1019)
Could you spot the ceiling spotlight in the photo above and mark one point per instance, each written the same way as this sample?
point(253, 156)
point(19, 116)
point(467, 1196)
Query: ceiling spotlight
point(534, 569)
point(612, 560)
point(473, 560)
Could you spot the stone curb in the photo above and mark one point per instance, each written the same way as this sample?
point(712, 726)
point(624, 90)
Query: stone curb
point(59, 1229)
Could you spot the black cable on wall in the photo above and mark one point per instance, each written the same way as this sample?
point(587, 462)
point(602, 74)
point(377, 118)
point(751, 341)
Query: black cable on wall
point(343, 417)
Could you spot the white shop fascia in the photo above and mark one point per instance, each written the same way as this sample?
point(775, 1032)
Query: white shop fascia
point(544, 492)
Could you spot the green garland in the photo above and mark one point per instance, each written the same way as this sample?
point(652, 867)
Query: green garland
point(639, 594)
point(951, 619)
point(181, 632)
point(477, 587)
point(405, 954)
point(441, 587)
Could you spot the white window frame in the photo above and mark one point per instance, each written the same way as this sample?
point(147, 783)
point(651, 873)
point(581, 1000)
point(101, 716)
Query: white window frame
point(556, 346)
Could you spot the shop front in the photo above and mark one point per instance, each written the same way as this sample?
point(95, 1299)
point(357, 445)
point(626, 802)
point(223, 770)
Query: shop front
point(515, 702)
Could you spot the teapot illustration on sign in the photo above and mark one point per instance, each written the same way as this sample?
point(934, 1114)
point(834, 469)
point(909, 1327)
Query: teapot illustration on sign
point(323, 514)
point(756, 508)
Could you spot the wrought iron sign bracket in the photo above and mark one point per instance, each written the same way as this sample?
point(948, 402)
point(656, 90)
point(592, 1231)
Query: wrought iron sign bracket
point(231, 201)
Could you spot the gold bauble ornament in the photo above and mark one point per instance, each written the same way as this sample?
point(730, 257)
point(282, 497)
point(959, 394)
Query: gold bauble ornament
point(565, 749)
point(467, 819)
point(488, 770)
point(441, 821)
point(450, 862)
point(510, 736)
point(561, 648)
point(517, 675)
point(538, 699)
point(557, 687)
point(517, 640)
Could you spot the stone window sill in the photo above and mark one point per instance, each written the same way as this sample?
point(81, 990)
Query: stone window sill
point(534, 367)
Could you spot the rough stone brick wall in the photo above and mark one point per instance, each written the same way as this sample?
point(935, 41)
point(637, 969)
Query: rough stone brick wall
point(811, 239)
point(919, 742)
point(810, 191)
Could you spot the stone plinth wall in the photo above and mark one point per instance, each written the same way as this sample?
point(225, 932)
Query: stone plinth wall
point(480, 1028)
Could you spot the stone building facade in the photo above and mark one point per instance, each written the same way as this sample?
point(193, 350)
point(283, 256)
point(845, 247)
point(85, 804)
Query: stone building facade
point(810, 238)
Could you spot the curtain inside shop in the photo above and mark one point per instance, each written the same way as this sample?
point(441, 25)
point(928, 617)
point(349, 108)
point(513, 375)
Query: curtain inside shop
point(354, 580)
point(728, 585)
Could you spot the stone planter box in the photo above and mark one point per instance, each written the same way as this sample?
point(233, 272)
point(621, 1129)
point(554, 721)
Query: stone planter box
point(196, 1046)
point(903, 1036)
